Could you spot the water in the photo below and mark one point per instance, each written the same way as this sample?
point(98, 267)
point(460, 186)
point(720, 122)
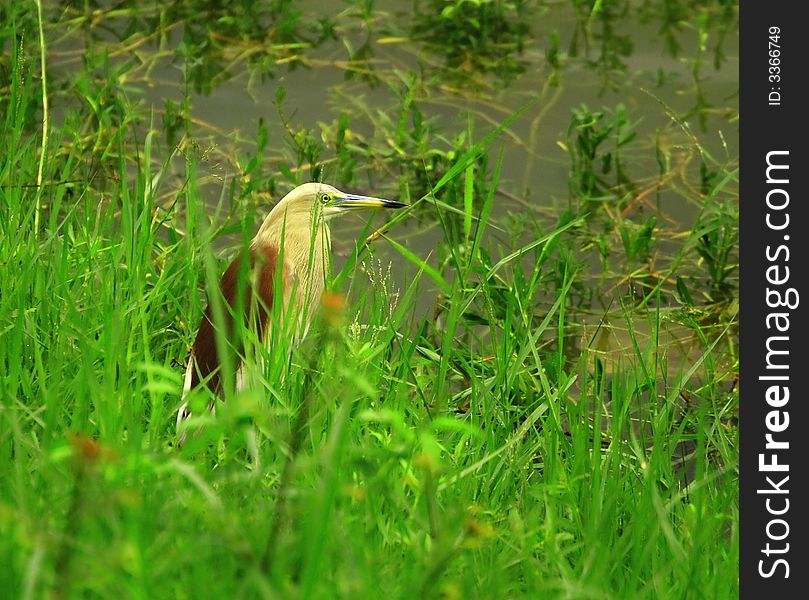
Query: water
point(657, 61)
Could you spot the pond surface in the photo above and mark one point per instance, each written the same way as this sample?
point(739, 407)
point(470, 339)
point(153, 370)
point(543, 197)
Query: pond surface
point(381, 98)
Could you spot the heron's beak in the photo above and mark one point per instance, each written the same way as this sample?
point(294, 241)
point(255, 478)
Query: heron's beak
point(354, 201)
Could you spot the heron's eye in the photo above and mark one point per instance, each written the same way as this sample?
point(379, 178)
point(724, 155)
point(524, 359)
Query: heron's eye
point(325, 198)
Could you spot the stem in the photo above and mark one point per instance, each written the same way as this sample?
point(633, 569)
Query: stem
point(44, 114)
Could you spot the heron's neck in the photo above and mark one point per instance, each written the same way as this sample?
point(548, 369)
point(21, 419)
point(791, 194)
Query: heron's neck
point(306, 253)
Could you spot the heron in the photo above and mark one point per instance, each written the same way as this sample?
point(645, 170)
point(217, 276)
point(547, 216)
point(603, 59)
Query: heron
point(290, 253)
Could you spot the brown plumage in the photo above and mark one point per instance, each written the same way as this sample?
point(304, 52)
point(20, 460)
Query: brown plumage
point(295, 237)
point(204, 350)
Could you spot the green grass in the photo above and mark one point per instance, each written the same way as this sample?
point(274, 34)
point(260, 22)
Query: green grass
point(489, 448)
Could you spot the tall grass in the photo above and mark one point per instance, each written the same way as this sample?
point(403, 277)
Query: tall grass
point(481, 451)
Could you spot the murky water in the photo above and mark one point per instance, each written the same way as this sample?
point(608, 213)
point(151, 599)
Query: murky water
point(655, 60)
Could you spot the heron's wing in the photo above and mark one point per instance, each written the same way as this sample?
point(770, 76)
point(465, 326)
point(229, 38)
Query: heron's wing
point(250, 273)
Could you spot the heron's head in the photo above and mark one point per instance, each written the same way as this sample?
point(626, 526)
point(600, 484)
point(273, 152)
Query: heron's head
point(311, 204)
point(328, 201)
